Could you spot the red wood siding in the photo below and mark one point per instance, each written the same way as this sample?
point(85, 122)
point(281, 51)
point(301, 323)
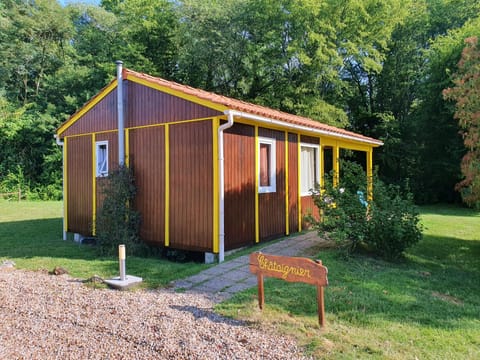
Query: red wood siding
point(147, 106)
point(102, 117)
point(293, 182)
point(79, 185)
point(112, 138)
point(239, 156)
point(308, 208)
point(271, 206)
point(309, 140)
point(147, 159)
point(191, 186)
point(143, 106)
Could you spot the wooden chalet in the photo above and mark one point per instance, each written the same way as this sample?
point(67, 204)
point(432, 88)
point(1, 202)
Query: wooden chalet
point(212, 173)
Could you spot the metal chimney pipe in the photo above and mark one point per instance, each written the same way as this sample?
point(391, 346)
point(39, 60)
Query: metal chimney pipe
point(120, 118)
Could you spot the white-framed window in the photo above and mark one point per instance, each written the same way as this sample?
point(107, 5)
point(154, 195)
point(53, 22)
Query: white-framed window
point(267, 170)
point(101, 158)
point(309, 168)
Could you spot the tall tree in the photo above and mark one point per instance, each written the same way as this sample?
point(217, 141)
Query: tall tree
point(410, 114)
point(34, 36)
point(466, 94)
point(288, 54)
point(440, 146)
point(148, 33)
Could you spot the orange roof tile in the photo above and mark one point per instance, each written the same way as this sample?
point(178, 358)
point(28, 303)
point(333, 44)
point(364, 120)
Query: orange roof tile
point(252, 109)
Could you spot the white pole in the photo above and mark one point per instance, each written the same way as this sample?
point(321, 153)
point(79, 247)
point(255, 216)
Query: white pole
point(121, 261)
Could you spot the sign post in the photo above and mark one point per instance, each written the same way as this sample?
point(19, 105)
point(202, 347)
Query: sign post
point(292, 269)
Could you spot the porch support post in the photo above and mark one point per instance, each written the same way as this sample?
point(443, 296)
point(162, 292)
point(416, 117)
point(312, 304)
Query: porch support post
point(336, 165)
point(257, 171)
point(322, 166)
point(369, 174)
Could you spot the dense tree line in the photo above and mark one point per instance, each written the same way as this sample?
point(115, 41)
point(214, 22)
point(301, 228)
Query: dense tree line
point(377, 67)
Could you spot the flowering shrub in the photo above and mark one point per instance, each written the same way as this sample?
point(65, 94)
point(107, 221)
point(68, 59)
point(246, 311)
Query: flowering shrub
point(386, 226)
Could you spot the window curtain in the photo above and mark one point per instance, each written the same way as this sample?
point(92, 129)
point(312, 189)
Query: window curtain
point(102, 159)
point(308, 169)
point(264, 165)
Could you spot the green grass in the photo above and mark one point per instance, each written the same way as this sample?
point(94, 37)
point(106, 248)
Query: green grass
point(425, 307)
point(31, 236)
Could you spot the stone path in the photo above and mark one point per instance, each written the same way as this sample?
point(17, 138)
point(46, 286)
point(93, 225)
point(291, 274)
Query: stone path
point(220, 282)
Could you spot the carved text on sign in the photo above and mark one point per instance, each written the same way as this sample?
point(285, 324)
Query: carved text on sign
point(265, 264)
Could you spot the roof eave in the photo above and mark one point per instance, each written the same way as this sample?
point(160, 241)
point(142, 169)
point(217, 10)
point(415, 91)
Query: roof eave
point(288, 125)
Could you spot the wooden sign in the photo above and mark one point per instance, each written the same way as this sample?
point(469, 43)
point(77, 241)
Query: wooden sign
point(292, 269)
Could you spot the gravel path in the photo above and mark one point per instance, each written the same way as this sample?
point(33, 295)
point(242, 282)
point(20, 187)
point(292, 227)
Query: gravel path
point(56, 317)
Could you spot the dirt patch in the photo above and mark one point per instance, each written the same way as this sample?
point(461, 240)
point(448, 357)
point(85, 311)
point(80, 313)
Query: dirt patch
point(447, 298)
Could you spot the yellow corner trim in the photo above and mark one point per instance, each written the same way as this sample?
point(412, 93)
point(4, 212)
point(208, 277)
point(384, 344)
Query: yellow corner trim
point(257, 165)
point(167, 186)
point(94, 187)
point(127, 147)
point(299, 184)
point(287, 148)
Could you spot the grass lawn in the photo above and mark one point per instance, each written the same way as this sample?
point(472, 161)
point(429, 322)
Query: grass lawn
point(31, 236)
point(425, 307)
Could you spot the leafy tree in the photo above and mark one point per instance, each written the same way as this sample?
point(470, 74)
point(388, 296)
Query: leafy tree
point(34, 36)
point(439, 143)
point(148, 33)
point(466, 94)
point(290, 55)
point(409, 114)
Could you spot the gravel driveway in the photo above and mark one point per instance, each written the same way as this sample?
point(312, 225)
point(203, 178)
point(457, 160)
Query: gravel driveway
point(56, 317)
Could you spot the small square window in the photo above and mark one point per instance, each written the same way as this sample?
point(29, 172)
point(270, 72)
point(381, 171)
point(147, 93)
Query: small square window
point(266, 165)
point(102, 158)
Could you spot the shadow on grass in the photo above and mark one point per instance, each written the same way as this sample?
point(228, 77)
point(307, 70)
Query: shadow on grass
point(39, 244)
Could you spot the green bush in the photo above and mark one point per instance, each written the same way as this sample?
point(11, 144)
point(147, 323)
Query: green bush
point(385, 226)
point(117, 222)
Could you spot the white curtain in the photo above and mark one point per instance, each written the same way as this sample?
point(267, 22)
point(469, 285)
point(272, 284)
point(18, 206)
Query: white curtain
point(308, 169)
point(102, 159)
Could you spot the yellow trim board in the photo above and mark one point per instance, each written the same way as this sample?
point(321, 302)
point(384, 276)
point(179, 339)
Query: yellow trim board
point(370, 175)
point(127, 147)
point(326, 139)
point(287, 148)
point(169, 123)
point(94, 186)
point(167, 186)
point(299, 185)
point(257, 213)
